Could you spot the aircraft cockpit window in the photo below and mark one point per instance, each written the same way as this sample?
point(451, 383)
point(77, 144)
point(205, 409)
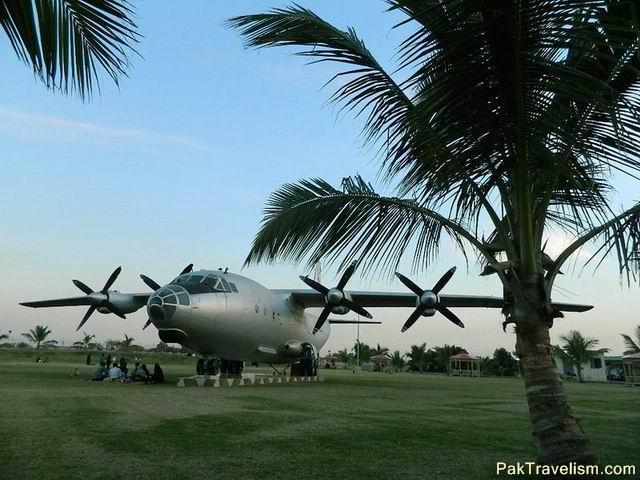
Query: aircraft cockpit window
point(234, 289)
point(195, 278)
point(214, 282)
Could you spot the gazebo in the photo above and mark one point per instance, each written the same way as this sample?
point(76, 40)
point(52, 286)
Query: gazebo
point(464, 365)
point(632, 369)
point(380, 362)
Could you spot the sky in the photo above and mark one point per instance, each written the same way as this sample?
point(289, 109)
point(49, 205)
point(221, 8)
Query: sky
point(175, 165)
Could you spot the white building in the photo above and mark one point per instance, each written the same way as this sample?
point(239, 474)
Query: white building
point(593, 370)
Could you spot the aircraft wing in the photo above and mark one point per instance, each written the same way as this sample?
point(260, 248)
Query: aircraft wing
point(311, 299)
point(138, 298)
point(60, 302)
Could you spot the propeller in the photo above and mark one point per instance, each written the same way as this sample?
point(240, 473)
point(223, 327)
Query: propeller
point(100, 299)
point(335, 297)
point(429, 300)
point(153, 285)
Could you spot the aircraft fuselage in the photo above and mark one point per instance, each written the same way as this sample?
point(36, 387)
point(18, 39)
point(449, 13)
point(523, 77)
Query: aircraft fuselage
point(239, 320)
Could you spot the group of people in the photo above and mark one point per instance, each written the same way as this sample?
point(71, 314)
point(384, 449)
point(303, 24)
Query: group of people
point(118, 371)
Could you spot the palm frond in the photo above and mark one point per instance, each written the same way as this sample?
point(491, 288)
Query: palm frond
point(367, 87)
point(312, 219)
point(67, 41)
point(630, 343)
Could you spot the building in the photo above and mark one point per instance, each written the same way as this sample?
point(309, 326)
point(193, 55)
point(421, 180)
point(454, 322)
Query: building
point(632, 368)
point(593, 370)
point(464, 365)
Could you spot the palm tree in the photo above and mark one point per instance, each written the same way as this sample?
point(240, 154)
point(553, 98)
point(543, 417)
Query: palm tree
point(38, 335)
point(397, 360)
point(366, 352)
point(444, 353)
point(416, 357)
point(630, 343)
point(344, 356)
point(65, 42)
point(499, 122)
point(578, 350)
point(112, 344)
point(86, 341)
point(127, 343)
point(379, 350)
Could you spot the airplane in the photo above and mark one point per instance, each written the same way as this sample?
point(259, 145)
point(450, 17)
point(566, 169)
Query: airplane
point(229, 318)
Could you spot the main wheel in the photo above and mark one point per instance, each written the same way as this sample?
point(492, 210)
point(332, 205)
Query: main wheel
point(200, 367)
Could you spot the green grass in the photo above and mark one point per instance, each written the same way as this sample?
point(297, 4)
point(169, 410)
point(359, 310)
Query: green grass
point(367, 426)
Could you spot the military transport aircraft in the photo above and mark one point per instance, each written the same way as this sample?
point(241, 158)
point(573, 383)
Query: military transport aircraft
point(229, 318)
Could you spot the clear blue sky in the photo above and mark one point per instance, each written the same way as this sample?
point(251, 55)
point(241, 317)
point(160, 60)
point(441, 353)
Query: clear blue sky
point(174, 167)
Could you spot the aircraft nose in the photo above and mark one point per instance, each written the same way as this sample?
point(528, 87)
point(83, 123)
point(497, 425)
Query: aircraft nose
point(163, 303)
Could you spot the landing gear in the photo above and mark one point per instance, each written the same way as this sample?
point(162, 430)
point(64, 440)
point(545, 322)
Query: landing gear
point(307, 366)
point(208, 366)
point(231, 368)
point(213, 366)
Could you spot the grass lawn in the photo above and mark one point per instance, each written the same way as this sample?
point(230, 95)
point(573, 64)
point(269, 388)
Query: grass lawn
point(369, 426)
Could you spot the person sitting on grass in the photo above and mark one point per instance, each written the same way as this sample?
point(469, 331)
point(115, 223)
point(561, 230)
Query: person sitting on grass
point(158, 375)
point(141, 374)
point(100, 373)
point(115, 373)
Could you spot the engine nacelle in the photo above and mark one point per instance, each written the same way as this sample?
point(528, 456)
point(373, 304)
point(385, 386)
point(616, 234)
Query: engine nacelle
point(291, 349)
point(341, 309)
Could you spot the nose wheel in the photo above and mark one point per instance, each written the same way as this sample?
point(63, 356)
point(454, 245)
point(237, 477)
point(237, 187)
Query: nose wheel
point(208, 366)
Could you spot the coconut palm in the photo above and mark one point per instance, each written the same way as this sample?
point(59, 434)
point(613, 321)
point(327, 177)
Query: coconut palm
point(416, 356)
point(397, 360)
point(633, 346)
point(127, 343)
point(578, 350)
point(444, 353)
point(86, 341)
point(380, 349)
point(365, 351)
point(344, 356)
point(38, 335)
point(501, 120)
point(66, 42)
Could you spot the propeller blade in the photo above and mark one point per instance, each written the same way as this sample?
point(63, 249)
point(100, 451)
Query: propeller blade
point(347, 275)
point(321, 319)
point(91, 309)
point(113, 309)
point(443, 280)
point(315, 285)
point(187, 269)
point(111, 279)
point(450, 315)
point(82, 287)
point(150, 283)
point(147, 324)
point(412, 319)
point(409, 284)
point(355, 308)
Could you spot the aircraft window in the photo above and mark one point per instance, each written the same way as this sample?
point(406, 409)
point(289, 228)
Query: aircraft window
point(183, 299)
point(213, 282)
point(195, 278)
point(227, 288)
point(171, 299)
point(163, 292)
point(234, 289)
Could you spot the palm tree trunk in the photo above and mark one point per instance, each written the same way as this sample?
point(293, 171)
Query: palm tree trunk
point(556, 432)
point(579, 370)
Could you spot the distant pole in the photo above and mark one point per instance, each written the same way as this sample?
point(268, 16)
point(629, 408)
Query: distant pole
point(358, 344)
